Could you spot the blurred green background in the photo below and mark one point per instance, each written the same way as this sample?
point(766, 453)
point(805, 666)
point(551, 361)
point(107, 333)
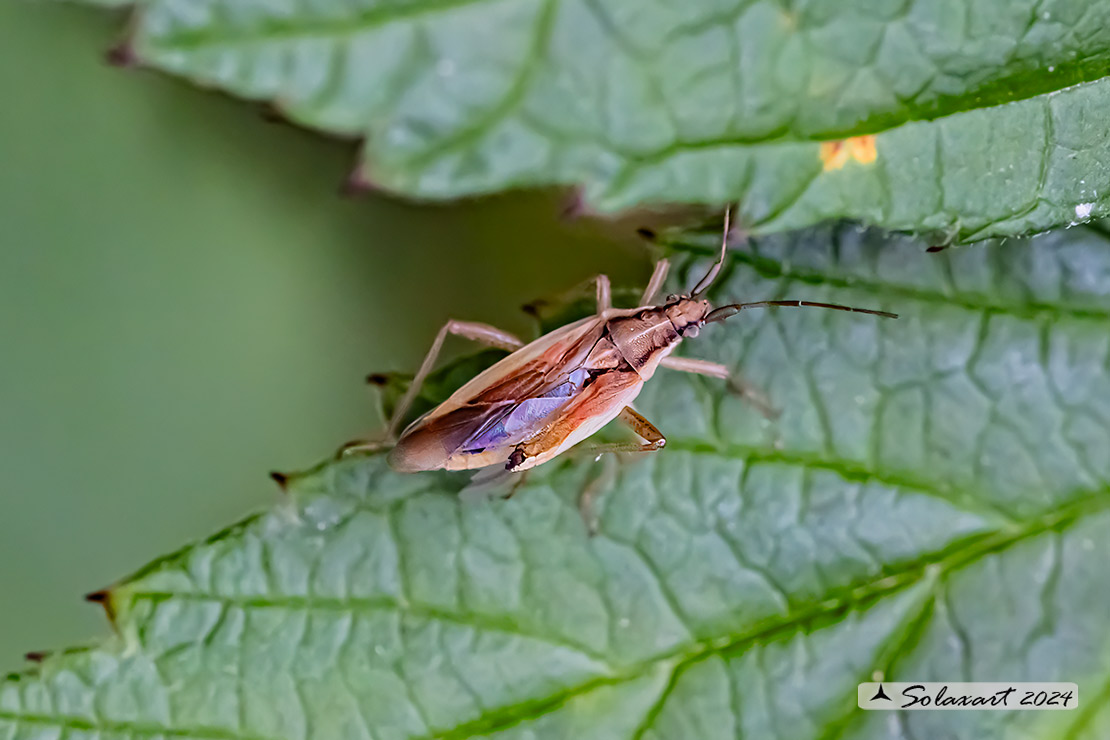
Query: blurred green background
point(186, 303)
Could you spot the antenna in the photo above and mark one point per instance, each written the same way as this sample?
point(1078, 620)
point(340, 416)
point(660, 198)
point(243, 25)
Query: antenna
point(724, 312)
point(705, 282)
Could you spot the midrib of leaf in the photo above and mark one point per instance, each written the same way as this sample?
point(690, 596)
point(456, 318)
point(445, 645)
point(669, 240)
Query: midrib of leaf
point(895, 647)
point(1011, 89)
point(966, 552)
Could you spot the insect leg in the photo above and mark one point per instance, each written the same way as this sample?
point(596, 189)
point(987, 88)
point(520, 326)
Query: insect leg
point(473, 330)
point(594, 489)
point(737, 384)
point(494, 481)
point(602, 289)
point(478, 332)
point(483, 333)
point(656, 282)
point(604, 294)
point(653, 440)
point(698, 367)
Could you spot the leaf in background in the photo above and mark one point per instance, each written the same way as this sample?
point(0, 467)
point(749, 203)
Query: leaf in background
point(964, 120)
point(932, 504)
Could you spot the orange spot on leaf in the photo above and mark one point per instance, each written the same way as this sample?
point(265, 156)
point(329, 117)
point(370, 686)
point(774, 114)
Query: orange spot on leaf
point(836, 154)
point(863, 149)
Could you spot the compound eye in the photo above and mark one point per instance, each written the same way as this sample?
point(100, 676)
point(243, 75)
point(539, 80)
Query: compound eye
point(691, 331)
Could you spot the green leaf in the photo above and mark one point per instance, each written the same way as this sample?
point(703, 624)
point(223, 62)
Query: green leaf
point(932, 504)
point(987, 117)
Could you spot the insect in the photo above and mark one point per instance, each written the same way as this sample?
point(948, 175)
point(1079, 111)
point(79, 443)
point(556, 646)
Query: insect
point(547, 396)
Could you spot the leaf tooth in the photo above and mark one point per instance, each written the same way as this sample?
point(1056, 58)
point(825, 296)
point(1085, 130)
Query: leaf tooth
point(122, 55)
point(574, 205)
point(358, 183)
point(271, 111)
point(104, 597)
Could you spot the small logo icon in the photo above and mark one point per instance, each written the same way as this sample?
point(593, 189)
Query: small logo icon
point(880, 694)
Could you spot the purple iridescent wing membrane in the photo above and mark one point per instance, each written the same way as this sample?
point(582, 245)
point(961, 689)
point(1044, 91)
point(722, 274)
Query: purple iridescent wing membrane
point(514, 422)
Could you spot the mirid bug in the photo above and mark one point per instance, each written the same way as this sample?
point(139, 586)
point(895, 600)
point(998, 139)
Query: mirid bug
point(549, 395)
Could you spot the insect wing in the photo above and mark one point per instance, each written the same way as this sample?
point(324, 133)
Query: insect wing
point(512, 422)
point(502, 405)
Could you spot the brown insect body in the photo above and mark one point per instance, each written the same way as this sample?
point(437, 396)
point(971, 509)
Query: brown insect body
point(602, 363)
point(547, 396)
